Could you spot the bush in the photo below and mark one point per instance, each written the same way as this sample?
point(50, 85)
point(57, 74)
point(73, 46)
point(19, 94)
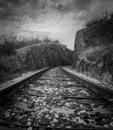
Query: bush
point(107, 77)
point(9, 64)
point(53, 54)
point(9, 44)
point(25, 42)
point(50, 53)
point(7, 48)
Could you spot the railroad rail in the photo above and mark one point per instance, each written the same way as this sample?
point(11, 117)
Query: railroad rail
point(103, 90)
point(53, 99)
point(14, 85)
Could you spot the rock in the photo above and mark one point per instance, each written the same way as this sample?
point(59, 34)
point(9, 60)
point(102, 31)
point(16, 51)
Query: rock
point(8, 113)
point(81, 106)
point(68, 127)
point(86, 116)
point(92, 104)
point(21, 117)
point(98, 114)
point(17, 116)
point(28, 123)
point(55, 120)
point(106, 126)
point(23, 74)
point(83, 93)
point(19, 98)
point(42, 128)
point(30, 128)
point(61, 125)
point(56, 116)
point(78, 120)
point(30, 85)
point(103, 119)
point(80, 112)
point(102, 122)
point(111, 124)
point(90, 51)
point(31, 104)
point(13, 114)
point(67, 104)
point(25, 100)
point(91, 122)
point(52, 124)
point(101, 106)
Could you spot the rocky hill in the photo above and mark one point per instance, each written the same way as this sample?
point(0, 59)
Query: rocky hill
point(93, 55)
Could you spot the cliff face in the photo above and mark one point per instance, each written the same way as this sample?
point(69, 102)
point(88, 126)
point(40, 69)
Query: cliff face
point(93, 55)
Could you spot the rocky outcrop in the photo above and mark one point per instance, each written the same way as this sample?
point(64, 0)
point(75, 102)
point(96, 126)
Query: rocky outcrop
point(93, 55)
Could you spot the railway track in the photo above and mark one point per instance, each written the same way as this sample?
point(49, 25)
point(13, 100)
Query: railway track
point(104, 90)
point(54, 100)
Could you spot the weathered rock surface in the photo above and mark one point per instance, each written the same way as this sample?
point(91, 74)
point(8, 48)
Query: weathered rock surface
point(93, 55)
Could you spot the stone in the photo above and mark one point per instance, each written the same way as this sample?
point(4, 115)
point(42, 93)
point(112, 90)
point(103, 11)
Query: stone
point(30, 85)
point(56, 116)
point(25, 100)
point(82, 111)
point(8, 113)
point(67, 104)
point(93, 51)
point(68, 127)
point(111, 124)
point(28, 123)
point(30, 128)
point(81, 106)
point(106, 126)
point(98, 114)
point(31, 104)
point(21, 117)
point(92, 104)
point(55, 120)
point(42, 128)
point(85, 116)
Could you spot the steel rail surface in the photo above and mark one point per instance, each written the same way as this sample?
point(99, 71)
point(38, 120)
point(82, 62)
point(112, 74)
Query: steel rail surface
point(105, 92)
point(8, 88)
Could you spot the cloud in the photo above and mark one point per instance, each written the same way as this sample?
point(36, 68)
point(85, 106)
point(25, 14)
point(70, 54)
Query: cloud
point(58, 18)
point(34, 8)
point(77, 4)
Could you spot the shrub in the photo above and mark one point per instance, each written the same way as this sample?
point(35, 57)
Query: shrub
point(107, 77)
point(7, 48)
point(51, 54)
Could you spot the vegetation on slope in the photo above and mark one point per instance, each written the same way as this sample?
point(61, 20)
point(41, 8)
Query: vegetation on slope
point(54, 54)
point(96, 43)
point(8, 45)
point(47, 53)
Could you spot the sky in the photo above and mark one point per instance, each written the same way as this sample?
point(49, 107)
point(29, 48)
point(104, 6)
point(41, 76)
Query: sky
point(57, 19)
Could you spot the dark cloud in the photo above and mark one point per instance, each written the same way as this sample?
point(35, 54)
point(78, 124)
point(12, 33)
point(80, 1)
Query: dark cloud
point(82, 4)
point(20, 8)
point(7, 3)
point(14, 13)
point(98, 7)
point(31, 7)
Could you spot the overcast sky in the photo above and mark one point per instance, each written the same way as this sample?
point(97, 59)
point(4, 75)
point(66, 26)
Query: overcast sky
point(59, 19)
